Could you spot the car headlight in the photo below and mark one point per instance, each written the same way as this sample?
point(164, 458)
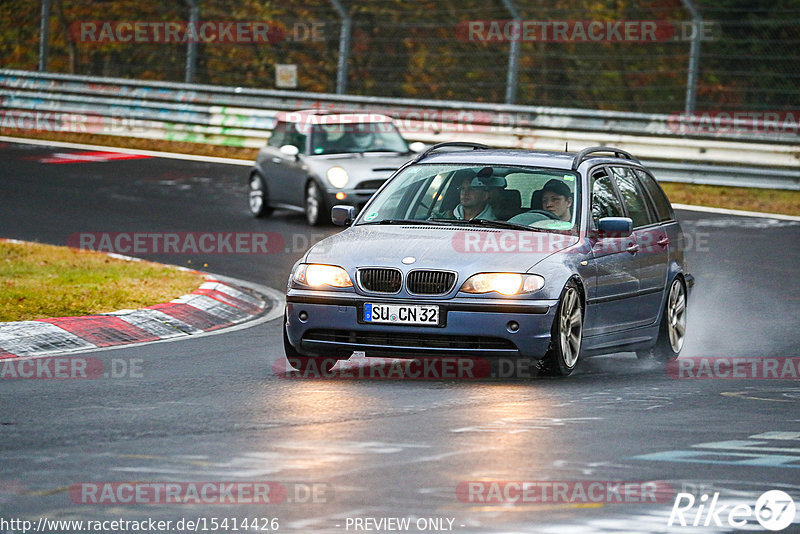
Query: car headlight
point(337, 176)
point(316, 276)
point(503, 283)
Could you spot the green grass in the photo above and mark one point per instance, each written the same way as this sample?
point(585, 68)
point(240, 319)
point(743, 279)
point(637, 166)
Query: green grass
point(39, 281)
point(738, 198)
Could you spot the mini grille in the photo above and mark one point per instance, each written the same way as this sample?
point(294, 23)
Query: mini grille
point(370, 184)
point(380, 280)
point(430, 282)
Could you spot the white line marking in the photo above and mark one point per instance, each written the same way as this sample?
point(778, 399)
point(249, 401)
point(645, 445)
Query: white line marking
point(793, 436)
point(153, 153)
point(738, 213)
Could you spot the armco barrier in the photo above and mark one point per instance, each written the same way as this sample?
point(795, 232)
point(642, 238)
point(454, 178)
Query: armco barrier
point(244, 117)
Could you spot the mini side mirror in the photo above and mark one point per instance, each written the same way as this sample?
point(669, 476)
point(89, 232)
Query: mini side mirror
point(416, 146)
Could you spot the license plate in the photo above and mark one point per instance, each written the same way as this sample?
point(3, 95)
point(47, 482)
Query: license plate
point(401, 314)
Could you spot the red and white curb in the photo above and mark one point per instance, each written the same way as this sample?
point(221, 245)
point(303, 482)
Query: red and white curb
point(213, 306)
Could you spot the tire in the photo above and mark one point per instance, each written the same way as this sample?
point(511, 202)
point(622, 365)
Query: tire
point(317, 212)
point(672, 330)
point(258, 201)
point(309, 366)
point(566, 335)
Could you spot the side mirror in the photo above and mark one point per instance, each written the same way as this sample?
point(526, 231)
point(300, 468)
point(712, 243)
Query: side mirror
point(417, 146)
point(343, 215)
point(615, 227)
point(289, 150)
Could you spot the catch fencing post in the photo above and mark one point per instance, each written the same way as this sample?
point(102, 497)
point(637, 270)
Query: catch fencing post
point(694, 56)
point(191, 46)
point(344, 47)
point(44, 38)
point(513, 54)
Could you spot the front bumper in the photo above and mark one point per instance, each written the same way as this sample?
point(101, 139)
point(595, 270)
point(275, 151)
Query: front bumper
point(472, 327)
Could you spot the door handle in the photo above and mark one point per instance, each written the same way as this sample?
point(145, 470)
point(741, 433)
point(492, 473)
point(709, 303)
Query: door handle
point(664, 241)
point(633, 248)
point(277, 160)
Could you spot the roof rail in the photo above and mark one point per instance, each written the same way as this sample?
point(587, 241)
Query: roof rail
point(474, 146)
point(583, 154)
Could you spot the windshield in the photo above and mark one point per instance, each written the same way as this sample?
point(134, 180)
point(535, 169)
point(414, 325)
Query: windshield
point(530, 198)
point(357, 137)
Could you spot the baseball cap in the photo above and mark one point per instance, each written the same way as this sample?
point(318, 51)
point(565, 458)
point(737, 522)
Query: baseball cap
point(558, 187)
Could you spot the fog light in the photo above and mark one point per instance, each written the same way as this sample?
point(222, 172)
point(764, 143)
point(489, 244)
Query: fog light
point(303, 316)
point(512, 326)
point(340, 196)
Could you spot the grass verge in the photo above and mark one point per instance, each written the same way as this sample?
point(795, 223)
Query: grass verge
point(736, 198)
point(39, 281)
point(741, 198)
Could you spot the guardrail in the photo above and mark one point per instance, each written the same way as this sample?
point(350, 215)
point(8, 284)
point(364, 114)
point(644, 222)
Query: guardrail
point(244, 117)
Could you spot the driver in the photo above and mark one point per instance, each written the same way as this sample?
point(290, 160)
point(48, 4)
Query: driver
point(363, 137)
point(474, 204)
point(557, 199)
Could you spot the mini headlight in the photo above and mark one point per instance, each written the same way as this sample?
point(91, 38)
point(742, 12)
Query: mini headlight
point(316, 275)
point(337, 176)
point(503, 283)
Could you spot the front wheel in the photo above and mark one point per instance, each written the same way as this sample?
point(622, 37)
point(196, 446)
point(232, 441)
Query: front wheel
point(672, 330)
point(257, 197)
point(566, 335)
point(315, 207)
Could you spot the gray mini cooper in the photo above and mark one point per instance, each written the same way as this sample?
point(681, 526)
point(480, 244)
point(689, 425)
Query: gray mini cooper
point(471, 251)
point(315, 159)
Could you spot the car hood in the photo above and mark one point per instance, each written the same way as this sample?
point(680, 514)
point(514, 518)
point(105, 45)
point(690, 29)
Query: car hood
point(453, 248)
point(360, 166)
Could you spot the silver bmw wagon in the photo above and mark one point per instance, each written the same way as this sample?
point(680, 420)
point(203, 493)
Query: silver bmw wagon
point(470, 251)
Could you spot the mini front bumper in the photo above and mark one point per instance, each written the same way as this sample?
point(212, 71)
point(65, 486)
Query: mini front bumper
point(353, 197)
point(472, 327)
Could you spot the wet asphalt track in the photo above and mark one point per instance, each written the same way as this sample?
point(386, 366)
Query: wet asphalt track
point(213, 409)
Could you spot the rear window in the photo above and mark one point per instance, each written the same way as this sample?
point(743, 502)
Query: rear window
point(660, 201)
point(632, 195)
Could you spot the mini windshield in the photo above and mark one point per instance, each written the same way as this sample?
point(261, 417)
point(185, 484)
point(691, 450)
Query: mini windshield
point(357, 137)
point(495, 195)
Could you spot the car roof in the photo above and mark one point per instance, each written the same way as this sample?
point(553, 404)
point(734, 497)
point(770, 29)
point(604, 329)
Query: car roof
point(315, 116)
point(522, 157)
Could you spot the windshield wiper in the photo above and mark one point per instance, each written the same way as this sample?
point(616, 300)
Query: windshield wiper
point(396, 221)
point(502, 224)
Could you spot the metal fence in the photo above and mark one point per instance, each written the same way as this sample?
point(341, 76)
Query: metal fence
point(244, 117)
point(604, 55)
